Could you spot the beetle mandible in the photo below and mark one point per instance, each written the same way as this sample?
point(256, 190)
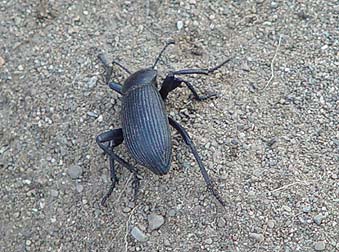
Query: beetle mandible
point(145, 123)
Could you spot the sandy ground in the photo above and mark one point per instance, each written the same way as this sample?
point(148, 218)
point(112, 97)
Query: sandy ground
point(270, 140)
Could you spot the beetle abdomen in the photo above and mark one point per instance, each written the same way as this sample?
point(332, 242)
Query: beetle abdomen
point(146, 128)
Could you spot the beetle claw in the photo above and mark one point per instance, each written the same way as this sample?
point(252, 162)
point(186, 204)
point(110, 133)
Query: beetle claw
point(135, 185)
point(216, 194)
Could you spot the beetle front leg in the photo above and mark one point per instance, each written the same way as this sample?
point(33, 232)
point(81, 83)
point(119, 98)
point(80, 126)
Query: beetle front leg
point(114, 138)
point(108, 73)
point(171, 82)
point(203, 171)
point(204, 71)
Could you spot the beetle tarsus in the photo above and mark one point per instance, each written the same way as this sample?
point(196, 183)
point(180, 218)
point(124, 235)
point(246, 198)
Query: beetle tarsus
point(216, 194)
point(135, 186)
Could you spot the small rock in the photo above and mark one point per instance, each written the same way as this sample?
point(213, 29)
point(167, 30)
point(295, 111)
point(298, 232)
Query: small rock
point(270, 224)
point(138, 234)
point(126, 209)
point(257, 237)
point(221, 222)
point(318, 219)
point(100, 118)
point(286, 208)
point(274, 5)
point(251, 193)
point(54, 193)
point(209, 241)
point(26, 181)
point(155, 221)
point(171, 212)
point(167, 243)
point(180, 25)
point(320, 246)
point(307, 209)
point(234, 142)
point(79, 188)
point(74, 171)
point(92, 114)
point(92, 82)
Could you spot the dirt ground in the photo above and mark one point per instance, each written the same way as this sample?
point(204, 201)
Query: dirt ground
point(270, 140)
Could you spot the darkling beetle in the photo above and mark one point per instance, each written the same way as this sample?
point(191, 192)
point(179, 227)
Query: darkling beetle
point(145, 123)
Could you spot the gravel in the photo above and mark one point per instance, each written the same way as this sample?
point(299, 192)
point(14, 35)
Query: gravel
point(320, 246)
point(155, 221)
point(269, 140)
point(257, 237)
point(138, 234)
point(74, 171)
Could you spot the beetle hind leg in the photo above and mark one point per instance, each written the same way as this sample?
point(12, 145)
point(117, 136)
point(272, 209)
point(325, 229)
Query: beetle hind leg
point(203, 171)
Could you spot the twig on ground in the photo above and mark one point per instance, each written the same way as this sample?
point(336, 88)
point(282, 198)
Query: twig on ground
point(127, 224)
point(292, 184)
point(272, 63)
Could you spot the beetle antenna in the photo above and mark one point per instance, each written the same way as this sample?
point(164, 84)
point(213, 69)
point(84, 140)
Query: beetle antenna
point(171, 42)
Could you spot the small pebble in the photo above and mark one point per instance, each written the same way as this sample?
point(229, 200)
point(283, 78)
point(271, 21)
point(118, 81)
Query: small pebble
point(138, 234)
point(26, 181)
point(54, 193)
point(320, 246)
point(92, 114)
point(209, 241)
point(74, 171)
point(221, 222)
point(257, 237)
point(274, 5)
point(286, 208)
point(270, 224)
point(126, 209)
point(180, 25)
point(155, 221)
point(251, 193)
point(92, 82)
point(167, 243)
point(307, 209)
point(171, 212)
point(318, 219)
point(79, 188)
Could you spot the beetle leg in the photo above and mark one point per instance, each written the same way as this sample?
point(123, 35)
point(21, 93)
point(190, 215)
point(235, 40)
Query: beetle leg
point(108, 68)
point(108, 73)
point(116, 87)
point(171, 82)
point(115, 138)
point(201, 70)
point(203, 171)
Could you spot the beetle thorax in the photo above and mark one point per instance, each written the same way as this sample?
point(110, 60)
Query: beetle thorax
point(140, 78)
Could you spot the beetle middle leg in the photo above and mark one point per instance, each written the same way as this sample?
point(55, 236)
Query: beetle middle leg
point(114, 138)
point(203, 171)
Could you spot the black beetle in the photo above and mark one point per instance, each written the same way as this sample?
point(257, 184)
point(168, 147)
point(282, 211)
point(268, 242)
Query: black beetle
point(145, 124)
